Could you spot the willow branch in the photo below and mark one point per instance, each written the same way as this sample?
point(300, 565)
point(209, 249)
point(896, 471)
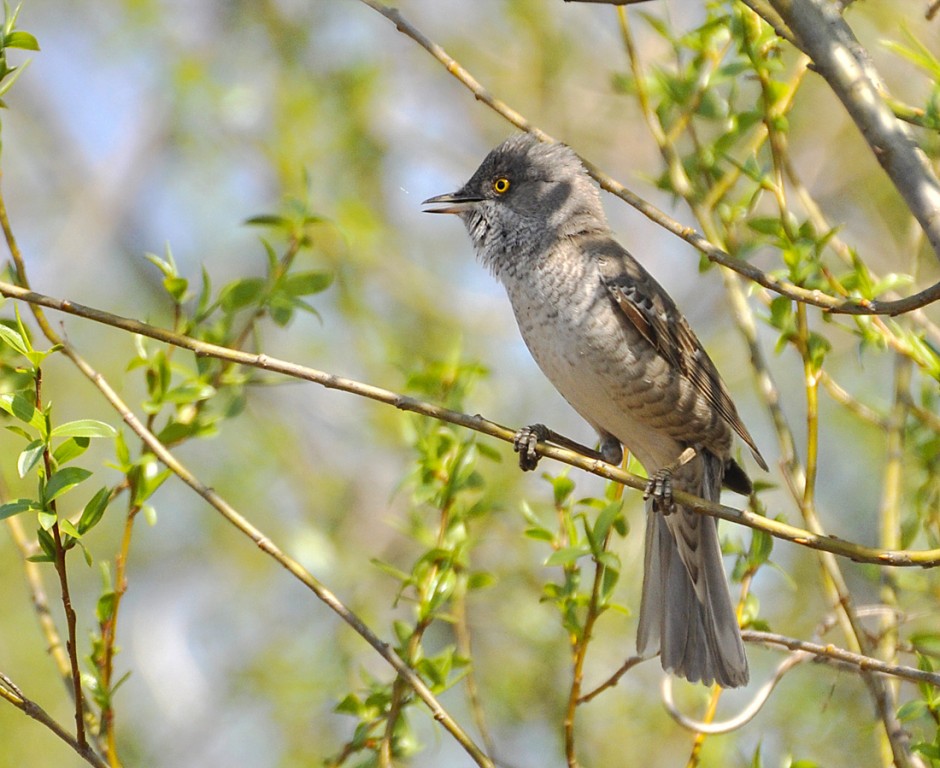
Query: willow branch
point(11, 693)
point(830, 654)
point(838, 56)
point(856, 552)
point(270, 548)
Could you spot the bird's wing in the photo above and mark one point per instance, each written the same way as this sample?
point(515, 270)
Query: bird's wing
point(647, 306)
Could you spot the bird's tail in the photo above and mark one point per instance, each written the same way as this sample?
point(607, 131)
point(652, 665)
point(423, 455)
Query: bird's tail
point(686, 607)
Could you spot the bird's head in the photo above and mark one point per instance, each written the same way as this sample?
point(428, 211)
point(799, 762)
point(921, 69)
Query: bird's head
point(524, 196)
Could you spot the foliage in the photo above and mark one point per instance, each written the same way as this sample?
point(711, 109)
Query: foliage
point(509, 599)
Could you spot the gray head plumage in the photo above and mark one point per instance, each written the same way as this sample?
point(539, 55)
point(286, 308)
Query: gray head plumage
point(524, 195)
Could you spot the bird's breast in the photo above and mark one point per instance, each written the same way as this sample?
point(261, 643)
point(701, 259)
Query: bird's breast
point(600, 363)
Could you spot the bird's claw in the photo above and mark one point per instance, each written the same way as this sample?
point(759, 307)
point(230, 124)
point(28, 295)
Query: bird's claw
point(659, 488)
point(525, 443)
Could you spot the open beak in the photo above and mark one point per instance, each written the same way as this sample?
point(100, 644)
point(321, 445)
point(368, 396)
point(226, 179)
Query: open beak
point(455, 202)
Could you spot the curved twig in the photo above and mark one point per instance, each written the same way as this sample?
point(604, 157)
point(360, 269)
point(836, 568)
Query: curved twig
point(745, 715)
point(802, 651)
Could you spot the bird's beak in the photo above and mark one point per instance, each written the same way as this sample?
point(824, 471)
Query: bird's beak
point(454, 202)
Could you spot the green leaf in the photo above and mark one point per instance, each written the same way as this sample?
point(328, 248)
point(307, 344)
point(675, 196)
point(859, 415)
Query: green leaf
point(913, 710)
point(190, 392)
point(67, 528)
point(47, 545)
point(63, 480)
point(70, 449)
point(46, 519)
point(29, 457)
point(480, 580)
point(926, 642)
point(166, 266)
point(761, 546)
point(17, 506)
point(766, 225)
point(562, 486)
point(268, 220)
point(918, 54)
point(605, 520)
point(84, 428)
point(349, 705)
point(104, 610)
point(281, 309)
point(13, 339)
point(176, 286)
point(566, 556)
point(306, 283)
point(609, 560)
point(539, 533)
point(16, 429)
point(241, 293)
point(94, 510)
point(18, 406)
point(20, 39)
point(891, 282)
point(14, 75)
point(818, 347)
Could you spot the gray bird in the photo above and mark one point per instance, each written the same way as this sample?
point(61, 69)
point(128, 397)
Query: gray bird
point(614, 344)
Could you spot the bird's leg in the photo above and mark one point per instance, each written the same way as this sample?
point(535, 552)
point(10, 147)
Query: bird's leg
point(526, 440)
point(659, 486)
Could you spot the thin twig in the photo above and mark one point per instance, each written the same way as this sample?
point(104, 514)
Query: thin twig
point(11, 693)
point(71, 644)
point(54, 645)
point(831, 654)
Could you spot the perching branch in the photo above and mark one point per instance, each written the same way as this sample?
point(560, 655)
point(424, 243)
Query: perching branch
point(856, 552)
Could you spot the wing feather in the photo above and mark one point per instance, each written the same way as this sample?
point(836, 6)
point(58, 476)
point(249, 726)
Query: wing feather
point(649, 309)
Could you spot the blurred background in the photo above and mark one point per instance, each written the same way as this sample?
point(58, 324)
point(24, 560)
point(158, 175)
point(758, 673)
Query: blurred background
point(146, 124)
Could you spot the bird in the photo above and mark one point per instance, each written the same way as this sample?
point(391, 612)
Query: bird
point(615, 345)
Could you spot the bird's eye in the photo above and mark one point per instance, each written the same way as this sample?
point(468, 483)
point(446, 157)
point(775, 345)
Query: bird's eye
point(501, 185)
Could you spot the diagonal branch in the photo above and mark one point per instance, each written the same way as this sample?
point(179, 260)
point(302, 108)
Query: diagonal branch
point(835, 305)
point(270, 548)
point(824, 36)
point(11, 693)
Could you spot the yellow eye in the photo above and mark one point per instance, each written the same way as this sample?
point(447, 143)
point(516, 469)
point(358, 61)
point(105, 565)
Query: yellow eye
point(501, 185)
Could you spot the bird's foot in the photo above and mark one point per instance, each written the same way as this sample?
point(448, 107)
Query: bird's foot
point(659, 489)
point(659, 486)
point(525, 443)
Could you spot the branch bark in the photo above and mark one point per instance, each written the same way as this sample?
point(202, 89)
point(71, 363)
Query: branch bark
point(838, 56)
